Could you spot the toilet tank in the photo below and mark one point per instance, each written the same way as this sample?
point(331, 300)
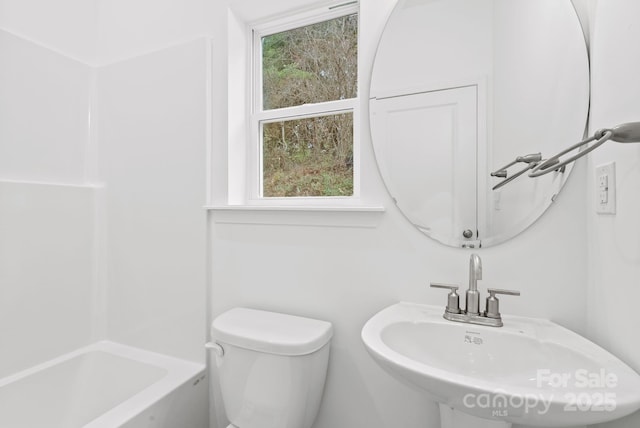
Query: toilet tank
point(273, 369)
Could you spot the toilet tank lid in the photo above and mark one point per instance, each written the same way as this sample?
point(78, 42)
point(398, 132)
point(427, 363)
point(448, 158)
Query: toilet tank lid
point(270, 332)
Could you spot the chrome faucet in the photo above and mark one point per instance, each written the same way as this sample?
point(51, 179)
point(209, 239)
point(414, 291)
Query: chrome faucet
point(491, 316)
point(473, 296)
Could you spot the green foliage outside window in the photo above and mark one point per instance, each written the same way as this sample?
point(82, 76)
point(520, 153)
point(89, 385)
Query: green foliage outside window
point(312, 64)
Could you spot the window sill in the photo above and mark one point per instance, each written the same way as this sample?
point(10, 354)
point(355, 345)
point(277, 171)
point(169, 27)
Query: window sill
point(298, 215)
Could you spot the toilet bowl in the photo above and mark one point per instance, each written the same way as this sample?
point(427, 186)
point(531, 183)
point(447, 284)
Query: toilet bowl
point(271, 367)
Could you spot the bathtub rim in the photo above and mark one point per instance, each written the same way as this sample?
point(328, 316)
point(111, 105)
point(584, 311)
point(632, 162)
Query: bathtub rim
point(178, 373)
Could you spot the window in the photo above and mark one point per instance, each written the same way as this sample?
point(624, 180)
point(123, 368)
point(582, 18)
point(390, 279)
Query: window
point(304, 109)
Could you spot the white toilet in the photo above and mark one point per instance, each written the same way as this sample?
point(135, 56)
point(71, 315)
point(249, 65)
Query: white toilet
point(271, 367)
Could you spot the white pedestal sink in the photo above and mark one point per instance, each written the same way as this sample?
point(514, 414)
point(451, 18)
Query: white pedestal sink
point(530, 372)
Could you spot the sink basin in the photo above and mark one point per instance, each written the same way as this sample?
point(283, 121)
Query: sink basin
point(531, 371)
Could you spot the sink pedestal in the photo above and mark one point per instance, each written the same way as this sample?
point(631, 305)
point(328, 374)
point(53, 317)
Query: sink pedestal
point(452, 418)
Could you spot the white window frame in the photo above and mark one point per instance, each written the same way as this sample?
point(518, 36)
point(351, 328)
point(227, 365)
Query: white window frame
point(258, 116)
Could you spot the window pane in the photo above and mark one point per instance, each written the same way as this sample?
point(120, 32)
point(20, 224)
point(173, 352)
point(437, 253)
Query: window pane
point(311, 64)
point(308, 157)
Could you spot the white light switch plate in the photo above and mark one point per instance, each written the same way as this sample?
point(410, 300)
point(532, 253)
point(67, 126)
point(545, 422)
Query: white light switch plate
point(605, 188)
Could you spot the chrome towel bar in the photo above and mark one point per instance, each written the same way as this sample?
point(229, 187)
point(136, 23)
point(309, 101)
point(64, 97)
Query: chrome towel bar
point(624, 133)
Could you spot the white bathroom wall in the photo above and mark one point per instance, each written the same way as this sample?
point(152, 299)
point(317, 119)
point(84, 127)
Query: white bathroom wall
point(152, 125)
point(131, 28)
point(44, 113)
point(64, 26)
point(614, 240)
point(46, 269)
point(345, 275)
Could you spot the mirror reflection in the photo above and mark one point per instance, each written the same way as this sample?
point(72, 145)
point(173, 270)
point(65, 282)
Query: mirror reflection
point(463, 88)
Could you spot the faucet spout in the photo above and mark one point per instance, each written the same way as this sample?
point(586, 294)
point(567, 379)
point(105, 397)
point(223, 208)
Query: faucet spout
point(472, 295)
point(475, 271)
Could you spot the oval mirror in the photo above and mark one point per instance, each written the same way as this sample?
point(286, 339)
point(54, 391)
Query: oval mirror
point(462, 89)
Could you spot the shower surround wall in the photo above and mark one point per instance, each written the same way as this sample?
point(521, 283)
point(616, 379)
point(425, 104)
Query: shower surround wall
point(47, 221)
point(152, 114)
point(91, 249)
point(46, 272)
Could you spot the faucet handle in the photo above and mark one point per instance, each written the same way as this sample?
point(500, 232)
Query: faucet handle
point(494, 291)
point(452, 287)
point(453, 299)
point(493, 304)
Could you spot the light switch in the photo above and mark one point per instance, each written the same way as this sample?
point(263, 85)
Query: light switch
point(603, 180)
point(604, 197)
point(606, 188)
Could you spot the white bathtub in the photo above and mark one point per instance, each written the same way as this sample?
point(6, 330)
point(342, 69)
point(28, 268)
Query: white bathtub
point(106, 385)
